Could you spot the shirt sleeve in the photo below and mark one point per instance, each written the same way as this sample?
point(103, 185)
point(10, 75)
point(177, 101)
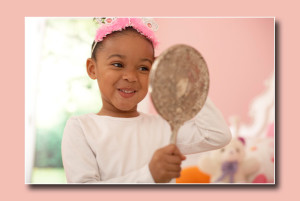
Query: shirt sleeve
point(80, 162)
point(207, 131)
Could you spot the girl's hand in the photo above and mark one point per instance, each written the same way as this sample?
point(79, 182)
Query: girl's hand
point(165, 164)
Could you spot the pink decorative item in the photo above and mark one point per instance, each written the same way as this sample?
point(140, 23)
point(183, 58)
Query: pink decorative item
point(242, 140)
point(261, 178)
point(145, 26)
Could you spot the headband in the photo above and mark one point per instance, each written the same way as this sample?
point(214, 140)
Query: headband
point(145, 26)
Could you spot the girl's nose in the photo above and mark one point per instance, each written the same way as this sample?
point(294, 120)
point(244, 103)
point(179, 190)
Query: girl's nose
point(130, 75)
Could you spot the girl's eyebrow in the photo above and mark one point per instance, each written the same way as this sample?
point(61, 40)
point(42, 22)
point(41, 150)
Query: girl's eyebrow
point(116, 55)
point(146, 59)
point(123, 56)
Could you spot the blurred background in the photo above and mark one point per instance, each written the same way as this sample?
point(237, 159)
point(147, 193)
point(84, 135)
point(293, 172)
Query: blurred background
point(239, 53)
point(56, 87)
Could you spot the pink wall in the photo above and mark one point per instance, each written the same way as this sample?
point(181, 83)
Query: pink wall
point(239, 53)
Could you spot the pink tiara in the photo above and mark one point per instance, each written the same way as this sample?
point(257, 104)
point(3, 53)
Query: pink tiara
point(145, 26)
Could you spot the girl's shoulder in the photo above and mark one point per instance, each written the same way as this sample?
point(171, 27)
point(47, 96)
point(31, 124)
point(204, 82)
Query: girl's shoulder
point(76, 119)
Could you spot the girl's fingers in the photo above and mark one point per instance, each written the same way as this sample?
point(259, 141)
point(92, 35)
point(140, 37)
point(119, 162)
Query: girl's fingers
point(173, 149)
point(174, 174)
point(170, 149)
point(173, 168)
point(172, 159)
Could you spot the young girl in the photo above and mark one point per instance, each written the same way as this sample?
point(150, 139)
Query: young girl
point(120, 144)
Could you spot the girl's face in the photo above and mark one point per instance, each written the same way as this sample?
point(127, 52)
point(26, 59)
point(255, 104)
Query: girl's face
point(122, 70)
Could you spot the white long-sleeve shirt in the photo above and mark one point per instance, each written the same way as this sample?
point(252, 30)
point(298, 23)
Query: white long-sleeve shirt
point(104, 149)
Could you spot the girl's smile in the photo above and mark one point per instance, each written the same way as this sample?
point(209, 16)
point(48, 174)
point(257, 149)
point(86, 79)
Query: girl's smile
point(127, 92)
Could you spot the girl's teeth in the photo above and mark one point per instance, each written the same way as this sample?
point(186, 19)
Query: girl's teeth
point(128, 92)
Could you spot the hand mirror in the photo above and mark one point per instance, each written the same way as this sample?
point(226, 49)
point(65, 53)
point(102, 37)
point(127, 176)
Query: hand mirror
point(179, 83)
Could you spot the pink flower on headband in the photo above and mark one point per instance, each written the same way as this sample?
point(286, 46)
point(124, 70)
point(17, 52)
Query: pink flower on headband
point(108, 20)
point(145, 26)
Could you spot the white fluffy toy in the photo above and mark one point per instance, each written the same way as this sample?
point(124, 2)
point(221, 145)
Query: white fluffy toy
point(229, 164)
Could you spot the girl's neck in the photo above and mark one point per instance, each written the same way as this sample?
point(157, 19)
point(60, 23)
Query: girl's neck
point(119, 113)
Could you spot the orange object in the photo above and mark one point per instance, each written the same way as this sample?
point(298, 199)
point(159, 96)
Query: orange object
point(193, 175)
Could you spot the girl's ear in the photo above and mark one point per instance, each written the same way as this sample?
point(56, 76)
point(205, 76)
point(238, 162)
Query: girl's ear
point(91, 68)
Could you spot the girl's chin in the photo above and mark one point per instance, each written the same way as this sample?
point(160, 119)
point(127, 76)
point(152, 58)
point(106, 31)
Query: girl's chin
point(128, 106)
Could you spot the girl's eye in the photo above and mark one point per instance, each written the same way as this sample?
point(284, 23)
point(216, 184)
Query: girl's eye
point(119, 65)
point(143, 68)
